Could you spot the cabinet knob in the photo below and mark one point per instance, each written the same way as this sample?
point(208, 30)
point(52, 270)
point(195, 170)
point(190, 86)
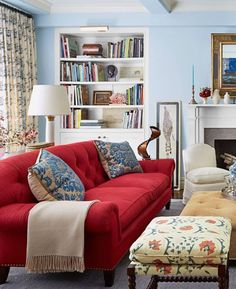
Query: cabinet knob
point(99, 137)
point(104, 137)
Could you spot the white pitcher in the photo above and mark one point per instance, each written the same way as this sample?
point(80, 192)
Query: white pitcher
point(226, 98)
point(216, 96)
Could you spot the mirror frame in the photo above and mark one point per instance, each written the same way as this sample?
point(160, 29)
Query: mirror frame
point(217, 42)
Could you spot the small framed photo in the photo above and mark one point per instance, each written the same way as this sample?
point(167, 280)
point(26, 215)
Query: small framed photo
point(169, 142)
point(101, 97)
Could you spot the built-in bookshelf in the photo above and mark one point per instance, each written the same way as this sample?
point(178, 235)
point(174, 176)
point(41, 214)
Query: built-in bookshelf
point(115, 69)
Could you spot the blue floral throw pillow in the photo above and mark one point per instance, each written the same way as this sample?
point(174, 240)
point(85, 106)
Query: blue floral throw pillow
point(117, 158)
point(51, 179)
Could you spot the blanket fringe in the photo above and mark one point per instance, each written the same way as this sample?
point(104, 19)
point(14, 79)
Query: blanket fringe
point(46, 264)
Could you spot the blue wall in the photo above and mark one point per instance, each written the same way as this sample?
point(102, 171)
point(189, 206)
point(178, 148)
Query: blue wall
point(177, 41)
point(45, 65)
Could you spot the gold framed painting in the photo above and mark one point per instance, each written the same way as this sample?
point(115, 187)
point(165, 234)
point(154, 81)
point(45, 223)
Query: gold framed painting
point(101, 97)
point(223, 55)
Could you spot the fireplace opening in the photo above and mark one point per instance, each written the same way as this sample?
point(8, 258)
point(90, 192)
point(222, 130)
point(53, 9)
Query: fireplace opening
point(225, 152)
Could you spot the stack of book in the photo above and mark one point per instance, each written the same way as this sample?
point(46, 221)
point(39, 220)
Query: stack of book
point(129, 47)
point(92, 49)
point(92, 123)
point(86, 71)
point(133, 118)
point(69, 47)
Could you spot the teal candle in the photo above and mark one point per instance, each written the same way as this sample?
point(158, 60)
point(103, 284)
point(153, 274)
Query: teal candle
point(193, 75)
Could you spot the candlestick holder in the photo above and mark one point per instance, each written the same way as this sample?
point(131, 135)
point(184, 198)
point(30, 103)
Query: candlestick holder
point(193, 101)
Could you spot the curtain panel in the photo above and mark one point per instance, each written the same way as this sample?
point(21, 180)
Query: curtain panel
point(17, 69)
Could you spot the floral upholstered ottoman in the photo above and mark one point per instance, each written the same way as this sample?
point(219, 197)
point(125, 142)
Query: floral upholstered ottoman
point(182, 249)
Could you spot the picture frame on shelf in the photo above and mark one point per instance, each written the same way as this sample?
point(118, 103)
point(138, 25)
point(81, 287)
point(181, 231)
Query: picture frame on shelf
point(133, 73)
point(101, 97)
point(169, 142)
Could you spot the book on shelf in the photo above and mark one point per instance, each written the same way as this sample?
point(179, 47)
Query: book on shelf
point(72, 120)
point(91, 126)
point(133, 118)
point(86, 71)
point(78, 94)
point(134, 95)
point(69, 46)
point(126, 48)
point(89, 123)
point(92, 121)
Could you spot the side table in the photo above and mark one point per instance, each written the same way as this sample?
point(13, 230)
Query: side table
point(38, 146)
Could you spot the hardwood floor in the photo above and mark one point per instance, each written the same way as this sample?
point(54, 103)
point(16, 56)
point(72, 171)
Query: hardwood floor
point(178, 194)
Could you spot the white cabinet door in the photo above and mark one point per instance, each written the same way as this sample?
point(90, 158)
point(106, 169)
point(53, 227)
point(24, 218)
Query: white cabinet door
point(134, 139)
point(70, 137)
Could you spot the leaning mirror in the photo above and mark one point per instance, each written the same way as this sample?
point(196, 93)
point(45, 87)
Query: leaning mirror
point(224, 63)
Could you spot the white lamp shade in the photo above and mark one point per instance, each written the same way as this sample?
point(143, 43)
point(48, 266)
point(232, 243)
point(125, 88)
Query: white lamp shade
point(49, 100)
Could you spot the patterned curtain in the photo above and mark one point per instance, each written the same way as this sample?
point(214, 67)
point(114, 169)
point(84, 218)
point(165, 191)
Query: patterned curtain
point(17, 68)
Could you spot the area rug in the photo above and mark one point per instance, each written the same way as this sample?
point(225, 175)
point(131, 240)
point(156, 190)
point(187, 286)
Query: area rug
point(19, 279)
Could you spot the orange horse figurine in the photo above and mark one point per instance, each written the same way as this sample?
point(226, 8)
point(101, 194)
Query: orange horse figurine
point(142, 148)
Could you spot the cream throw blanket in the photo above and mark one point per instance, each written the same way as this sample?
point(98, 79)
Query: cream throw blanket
point(55, 238)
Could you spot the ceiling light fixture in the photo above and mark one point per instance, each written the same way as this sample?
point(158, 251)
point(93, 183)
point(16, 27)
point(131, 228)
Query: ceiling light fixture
point(94, 28)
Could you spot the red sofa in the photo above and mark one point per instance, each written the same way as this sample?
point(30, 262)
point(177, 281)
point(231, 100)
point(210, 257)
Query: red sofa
point(128, 203)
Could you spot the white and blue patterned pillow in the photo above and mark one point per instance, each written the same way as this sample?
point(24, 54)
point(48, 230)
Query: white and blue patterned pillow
point(117, 158)
point(51, 179)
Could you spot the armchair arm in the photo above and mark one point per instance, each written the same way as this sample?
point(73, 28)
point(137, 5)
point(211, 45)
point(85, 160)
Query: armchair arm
point(164, 166)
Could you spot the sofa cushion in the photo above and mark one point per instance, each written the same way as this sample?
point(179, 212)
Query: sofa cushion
point(52, 179)
point(117, 158)
point(146, 181)
point(131, 193)
point(207, 175)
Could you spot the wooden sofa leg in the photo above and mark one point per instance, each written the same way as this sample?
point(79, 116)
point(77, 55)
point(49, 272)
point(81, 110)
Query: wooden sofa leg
point(131, 276)
point(109, 276)
point(168, 205)
point(4, 271)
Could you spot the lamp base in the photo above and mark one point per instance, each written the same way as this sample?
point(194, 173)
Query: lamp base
point(50, 128)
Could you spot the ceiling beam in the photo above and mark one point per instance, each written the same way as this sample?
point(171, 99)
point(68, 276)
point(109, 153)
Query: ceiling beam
point(41, 5)
point(167, 4)
point(157, 6)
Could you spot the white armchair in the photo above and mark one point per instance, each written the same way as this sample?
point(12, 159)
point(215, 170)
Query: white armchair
point(200, 171)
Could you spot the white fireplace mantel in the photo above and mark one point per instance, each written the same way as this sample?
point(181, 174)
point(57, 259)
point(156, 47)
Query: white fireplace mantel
point(201, 116)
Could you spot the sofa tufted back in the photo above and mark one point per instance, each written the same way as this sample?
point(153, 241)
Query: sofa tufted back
point(81, 157)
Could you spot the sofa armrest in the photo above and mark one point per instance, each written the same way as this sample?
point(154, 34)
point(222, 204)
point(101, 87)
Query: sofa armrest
point(103, 217)
point(164, 166)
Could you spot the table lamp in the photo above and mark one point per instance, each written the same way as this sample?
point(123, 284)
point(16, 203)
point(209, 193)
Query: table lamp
point(49, 100)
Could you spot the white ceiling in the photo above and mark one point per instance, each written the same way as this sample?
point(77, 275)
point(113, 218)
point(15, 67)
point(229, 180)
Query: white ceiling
point(121, 6)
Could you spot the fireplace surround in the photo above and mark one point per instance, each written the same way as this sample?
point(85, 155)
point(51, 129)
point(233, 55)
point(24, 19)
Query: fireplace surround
point(207, 122)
